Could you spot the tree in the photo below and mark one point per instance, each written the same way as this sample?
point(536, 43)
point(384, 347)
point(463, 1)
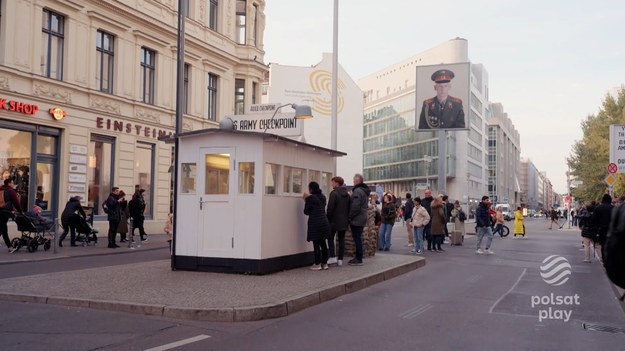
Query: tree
point(590, 156)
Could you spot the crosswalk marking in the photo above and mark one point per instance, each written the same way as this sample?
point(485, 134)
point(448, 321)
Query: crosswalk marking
point(179, 343)
point(414, 312)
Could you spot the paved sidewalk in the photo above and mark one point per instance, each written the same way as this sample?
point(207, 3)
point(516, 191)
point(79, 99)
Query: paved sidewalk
point(155, 242)
point(152, 288)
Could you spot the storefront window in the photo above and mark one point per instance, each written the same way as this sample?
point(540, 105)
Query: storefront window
point(15, 160)
point(144, 164)
point(100, 171)
point(46, 145)
point(271, 178)
point(43, 195)
point(246, 177)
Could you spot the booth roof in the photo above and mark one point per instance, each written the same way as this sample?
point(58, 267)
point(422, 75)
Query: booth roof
point(266, 136)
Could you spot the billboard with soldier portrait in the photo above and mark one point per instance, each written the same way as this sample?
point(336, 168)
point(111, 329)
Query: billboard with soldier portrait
point(442, 97)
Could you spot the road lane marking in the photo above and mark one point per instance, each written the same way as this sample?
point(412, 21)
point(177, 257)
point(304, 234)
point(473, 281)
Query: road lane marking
point(413, 312)
point(507, 292)
point(179, 343)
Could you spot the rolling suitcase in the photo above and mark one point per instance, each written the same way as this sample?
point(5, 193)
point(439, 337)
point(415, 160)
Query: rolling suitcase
point(456, 238)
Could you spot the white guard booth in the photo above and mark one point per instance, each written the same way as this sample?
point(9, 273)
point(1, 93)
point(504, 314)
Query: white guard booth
point(240, 205)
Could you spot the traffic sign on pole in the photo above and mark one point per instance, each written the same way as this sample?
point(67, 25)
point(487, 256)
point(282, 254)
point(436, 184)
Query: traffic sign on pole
point(612, 168)
point(617, 147)
point(610, 180)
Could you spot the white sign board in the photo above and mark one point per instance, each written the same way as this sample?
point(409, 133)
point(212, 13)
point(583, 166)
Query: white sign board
point(283, 124)
point(617, 146)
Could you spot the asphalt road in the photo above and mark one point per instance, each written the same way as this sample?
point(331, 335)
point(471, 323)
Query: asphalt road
point(458, 301)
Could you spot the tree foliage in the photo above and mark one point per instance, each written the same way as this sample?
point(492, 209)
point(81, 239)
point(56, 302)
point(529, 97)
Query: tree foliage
point(590, 156)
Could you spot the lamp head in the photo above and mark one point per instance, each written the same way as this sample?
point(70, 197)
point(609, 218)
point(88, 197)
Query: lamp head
point(302, 111)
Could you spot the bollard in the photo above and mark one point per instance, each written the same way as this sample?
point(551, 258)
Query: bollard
point(132, 235)
point(55, 235)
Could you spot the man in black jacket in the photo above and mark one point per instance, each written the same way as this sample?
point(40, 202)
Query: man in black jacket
point(482, 219)
point(426, 202)
point(408, 207)
point(358, 212)
point(601, 218)
point(114, 216)
point(72, 209)
point(338, 216)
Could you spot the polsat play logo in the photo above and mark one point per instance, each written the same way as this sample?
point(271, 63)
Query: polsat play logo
point(555, 270)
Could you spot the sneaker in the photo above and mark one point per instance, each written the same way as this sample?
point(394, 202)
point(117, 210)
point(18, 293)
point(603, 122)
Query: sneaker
point(586, 261)
point(12, 249)
point(441, 250)
point(355, 262)
point(315, 267)
point(410, 245)
point(325, 267)
point(144, 239)
point(479, 251)
point(419, 252)
point(339, 262)
point(490, 252)
point(413, 251)
point(332, 260)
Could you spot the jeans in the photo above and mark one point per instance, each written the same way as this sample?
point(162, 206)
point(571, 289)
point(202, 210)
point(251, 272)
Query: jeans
point(498, 229)
point(384, 236)
point(332, 246)
point(357, 235)
point(481, 231)
point(426, 234)
point(418, 238)
point(321, 251)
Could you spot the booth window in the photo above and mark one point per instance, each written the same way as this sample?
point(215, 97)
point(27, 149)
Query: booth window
point(271, 178)
point(314, 176)
point(144, 174)
point(189, 174)
point(293, 180)
point(325, 182)
point(217, 170)
point(100, 170)
point(246, 177)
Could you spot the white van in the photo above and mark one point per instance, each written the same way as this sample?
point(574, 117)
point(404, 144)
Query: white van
point(505, 210)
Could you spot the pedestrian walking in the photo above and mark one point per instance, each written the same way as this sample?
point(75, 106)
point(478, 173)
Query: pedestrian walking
point(72, 209)
point(389, 215)
point(358, 212)
point(318, 225)
point(483, 225)
point(588, 229)
point(601, 218)
point(426, 202)
point(338, 216)
point(420, 218)
point(553, 218)
point(136, 207)
point(519, 226)
point(408, 208)
point(113, 216)
point(10, 204)
point(499, 221)
point(124, 214)
point(438, 223)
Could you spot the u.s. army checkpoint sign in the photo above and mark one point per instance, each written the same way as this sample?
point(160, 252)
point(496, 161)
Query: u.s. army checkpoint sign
point(617, 146)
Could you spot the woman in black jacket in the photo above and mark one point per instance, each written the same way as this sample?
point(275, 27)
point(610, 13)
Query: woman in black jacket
point(72, 209)
point(318, 225)
point(589, 229)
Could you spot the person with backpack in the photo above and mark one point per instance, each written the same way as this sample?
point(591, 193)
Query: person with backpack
point(112, 208)
point(9, 203)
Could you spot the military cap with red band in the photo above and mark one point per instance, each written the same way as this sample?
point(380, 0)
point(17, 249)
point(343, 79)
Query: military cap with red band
point(443, 76)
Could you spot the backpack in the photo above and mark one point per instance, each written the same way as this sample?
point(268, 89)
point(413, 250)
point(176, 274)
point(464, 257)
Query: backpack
point(104, 207)
point(462, 216)
point(614, 249)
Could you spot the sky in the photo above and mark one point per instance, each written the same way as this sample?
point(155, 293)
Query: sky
point(550, 62)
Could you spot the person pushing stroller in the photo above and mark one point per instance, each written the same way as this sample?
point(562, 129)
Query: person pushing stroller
point(73, 208)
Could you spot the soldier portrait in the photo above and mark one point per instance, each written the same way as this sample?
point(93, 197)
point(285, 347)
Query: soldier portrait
point(442, 111)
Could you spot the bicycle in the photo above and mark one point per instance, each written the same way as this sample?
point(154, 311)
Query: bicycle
point(505, 231)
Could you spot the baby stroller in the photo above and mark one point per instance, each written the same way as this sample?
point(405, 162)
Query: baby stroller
point(85, 232)
point(33, 233)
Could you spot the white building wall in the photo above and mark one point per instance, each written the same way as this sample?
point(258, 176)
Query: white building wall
point(312, 86)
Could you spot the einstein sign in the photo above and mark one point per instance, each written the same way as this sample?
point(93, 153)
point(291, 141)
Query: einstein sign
point(258, 118)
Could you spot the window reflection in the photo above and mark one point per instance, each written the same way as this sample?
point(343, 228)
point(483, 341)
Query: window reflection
point(99, 171)
point(271, 178)
point(217, 170)
point(43, 194)
point(246, 177)
point(15, 152)
point(144, 164)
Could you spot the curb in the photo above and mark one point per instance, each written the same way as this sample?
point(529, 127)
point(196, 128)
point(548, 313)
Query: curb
point(231, 314)
point(117, 252)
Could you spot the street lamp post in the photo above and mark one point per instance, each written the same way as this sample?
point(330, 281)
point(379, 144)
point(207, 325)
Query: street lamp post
point(428, 159)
